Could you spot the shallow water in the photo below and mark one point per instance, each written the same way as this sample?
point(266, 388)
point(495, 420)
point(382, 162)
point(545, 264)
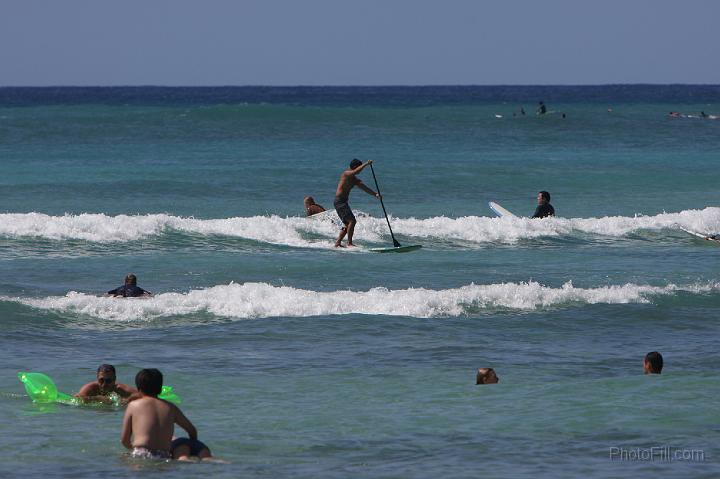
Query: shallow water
point(294, 358)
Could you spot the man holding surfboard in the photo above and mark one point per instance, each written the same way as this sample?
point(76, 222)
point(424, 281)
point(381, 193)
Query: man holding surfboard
point(348, 180)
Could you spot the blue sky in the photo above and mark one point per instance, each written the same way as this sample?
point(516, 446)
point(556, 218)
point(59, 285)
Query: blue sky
point(368, 42)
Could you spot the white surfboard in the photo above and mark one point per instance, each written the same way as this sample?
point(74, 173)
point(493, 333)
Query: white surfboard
point(715, 239)
point(500, 211)
point(323, 215)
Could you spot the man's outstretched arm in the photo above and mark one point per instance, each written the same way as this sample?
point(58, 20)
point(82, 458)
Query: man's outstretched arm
point(367, 190)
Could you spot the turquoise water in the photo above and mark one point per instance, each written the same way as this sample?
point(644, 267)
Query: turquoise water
point(296, 359)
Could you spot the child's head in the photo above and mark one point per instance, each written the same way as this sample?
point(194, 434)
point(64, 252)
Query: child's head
point(486, 376)
point(149, 381)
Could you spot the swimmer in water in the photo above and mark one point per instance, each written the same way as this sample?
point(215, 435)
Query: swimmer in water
point(130, 289)
point(104, 386)
point(148, 424)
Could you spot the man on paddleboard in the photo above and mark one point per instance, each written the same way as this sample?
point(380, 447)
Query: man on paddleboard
point(348, 180)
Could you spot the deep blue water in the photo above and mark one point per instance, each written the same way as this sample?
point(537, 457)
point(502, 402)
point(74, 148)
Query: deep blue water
point(297, 359)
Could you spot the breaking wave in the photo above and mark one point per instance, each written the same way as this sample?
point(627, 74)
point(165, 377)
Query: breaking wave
point(262, 300)
point(312, 233)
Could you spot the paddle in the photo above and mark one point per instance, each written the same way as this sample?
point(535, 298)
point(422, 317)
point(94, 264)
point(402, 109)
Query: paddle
point(395, 242)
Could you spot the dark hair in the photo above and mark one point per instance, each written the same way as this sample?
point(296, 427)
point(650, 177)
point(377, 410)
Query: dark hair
point(131, 279)
point(106, 368)
point(355, 163)
point(545, 195)
point(656, 361)
point(149, 381)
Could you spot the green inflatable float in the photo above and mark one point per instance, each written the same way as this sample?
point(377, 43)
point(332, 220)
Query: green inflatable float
point(42, 389)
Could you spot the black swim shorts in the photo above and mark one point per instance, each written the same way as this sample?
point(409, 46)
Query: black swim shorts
point(343, 210)
point(195, 445)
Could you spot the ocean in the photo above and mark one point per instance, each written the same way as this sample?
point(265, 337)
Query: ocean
point(297, 359)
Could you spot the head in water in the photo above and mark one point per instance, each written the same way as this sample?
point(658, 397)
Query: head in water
point(309, 201)
point(131, 280)
point(653, 363)
point(486, 376)
point(106, 377)
point(355, 163)
point(543, 197)
point(149, 381)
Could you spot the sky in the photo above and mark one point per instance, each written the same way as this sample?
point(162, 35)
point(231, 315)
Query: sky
point(361, 42)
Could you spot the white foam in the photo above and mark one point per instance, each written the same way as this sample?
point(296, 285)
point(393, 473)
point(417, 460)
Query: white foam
point(262, 300)
point(299, 231)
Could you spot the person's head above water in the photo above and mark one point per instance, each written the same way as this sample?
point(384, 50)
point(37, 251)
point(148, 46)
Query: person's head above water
point(355, 163)
point(131, 279)
point(106, 377)
point(149, 381)
point(653, 363)
point(309, 201)
point(486, 376)
point(543, 197)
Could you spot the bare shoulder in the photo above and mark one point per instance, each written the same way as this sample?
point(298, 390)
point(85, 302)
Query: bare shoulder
point(89, 389)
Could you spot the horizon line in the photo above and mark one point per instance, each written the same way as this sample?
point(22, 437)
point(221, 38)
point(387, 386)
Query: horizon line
point(397, 85)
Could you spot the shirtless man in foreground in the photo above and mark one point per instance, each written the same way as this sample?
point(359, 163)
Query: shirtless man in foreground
point(149, 423)
point(348, 180)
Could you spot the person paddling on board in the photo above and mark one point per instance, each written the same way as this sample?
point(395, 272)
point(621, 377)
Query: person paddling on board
point(544, 208)
point(541, 109)
point(104, 385)
point(312, 208)
point(348, 180)
point(129, 289)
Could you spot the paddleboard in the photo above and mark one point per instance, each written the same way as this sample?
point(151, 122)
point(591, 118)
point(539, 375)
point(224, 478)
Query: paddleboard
point(500, 211)
point(397, 249)
point(715, 239)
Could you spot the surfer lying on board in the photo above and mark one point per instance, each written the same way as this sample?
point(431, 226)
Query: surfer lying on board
point(544, 208)
point(312, 208)
point(349, 179)
point(129, 289)
point(104, 385)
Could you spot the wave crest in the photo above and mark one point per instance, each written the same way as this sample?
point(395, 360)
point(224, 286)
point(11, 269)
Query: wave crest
point(262, 300)
point(303, 232)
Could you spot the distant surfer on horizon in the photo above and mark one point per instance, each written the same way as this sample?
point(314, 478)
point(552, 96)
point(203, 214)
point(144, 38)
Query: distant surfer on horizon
point(130, 289)
point(348, 180)
point(312, 208)
point(544, 208)
point(541, 109)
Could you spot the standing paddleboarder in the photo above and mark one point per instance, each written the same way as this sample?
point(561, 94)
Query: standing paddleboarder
point(348, 180)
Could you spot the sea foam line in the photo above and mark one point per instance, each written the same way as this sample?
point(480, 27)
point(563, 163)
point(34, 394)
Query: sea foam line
point(262, 300)
point(294, 231)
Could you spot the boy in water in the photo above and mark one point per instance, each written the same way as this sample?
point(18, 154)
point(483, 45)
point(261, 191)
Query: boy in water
point(486, 376)
point(149, 422)
point(653, 363)
point(104, 385)
point(348, 180)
